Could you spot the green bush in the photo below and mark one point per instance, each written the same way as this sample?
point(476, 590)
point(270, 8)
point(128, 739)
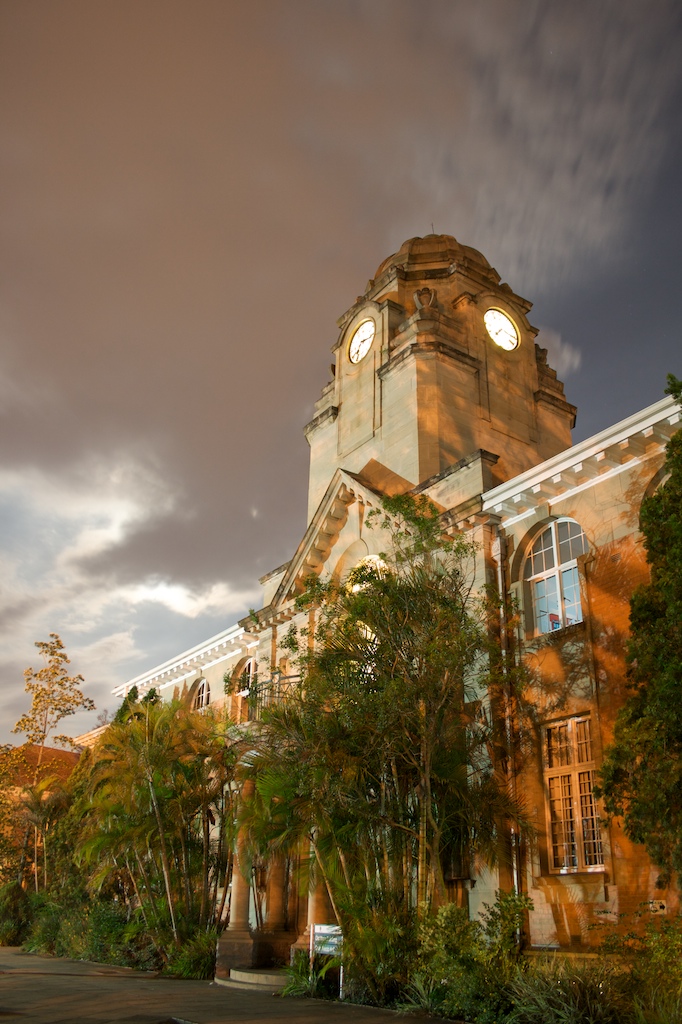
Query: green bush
point(97, 930)
point(658, 1004)
point(45, 927)
point(659, 954)
point(465, 968)
point(562, 991)
point(15, 914)
point(309, 977)
point(379, 945)
point(196, 957)
point(652, 953)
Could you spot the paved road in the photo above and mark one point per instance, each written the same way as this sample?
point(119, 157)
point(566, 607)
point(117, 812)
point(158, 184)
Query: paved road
point(47, 990)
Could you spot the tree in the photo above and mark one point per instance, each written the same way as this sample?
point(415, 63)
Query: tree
point(55, 695)
point(384, 759)
point(641, 778)
point(160, 807)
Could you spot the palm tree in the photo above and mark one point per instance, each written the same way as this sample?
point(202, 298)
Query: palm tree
point(40, 806)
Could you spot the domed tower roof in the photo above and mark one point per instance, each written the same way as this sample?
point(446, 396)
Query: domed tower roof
point(431, 251)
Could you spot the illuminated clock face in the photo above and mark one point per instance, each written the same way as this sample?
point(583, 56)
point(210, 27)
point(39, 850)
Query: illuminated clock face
point(501, 329)
point(361, 342)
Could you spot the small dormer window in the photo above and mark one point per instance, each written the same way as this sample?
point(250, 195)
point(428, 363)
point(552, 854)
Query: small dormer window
point(551, 574)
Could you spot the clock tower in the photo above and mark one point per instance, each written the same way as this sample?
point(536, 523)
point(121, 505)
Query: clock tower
point(434, 363)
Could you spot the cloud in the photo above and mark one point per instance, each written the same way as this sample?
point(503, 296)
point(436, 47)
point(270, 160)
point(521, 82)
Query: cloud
point(218, 598)
point(191, 199)
point(52, 525)
point(528, 128)
point(561, 355)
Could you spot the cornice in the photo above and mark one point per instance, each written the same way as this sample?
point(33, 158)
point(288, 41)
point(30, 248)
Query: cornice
point(330, 413)
point(421, 347)
point(606, 454)
point(220, 647)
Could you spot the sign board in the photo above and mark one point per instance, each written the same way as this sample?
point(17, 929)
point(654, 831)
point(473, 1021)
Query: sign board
point(326, 939)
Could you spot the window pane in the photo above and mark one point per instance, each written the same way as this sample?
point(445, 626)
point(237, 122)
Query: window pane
point(546, 605)
point(583, 741)
point(543, 553)
point(570, 587)
point(558, 746)
point(562, 824)
point(572, 541)
point(590, 821)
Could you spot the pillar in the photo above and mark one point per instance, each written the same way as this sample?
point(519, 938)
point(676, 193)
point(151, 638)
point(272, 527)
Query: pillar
point(236, 946)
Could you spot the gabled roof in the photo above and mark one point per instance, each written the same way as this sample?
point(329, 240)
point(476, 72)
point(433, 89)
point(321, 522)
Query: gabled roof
point(332, 513)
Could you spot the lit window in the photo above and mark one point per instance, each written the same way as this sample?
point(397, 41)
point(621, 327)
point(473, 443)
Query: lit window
point(551, 572)
point(373, 563)
point(574, 837)
point(203, 695)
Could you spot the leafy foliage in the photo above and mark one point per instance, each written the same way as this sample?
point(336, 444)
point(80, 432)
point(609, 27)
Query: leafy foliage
point(54, 694)
point(382, 760)
point(641, 777)
point(307, 976)
point(565, 992)
point(160, 781)
point(15, 914)
point(135, 853)
point(196, 958)
point(32, 794)
point(466, 968)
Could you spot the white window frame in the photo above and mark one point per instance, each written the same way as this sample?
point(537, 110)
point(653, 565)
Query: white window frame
point(562, 576)
point(574, 841)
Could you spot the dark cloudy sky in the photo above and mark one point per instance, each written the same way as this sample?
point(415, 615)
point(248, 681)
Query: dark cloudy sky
point(192, 191)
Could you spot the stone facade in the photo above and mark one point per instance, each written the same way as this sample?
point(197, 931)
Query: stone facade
point(425, 400)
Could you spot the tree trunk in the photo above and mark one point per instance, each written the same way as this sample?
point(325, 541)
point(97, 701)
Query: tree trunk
point(164, 862)
point(226, 883)
point(35, 855)
point(204, 865)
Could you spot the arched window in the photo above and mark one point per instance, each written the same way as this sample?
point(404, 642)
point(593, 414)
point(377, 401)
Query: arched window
point(247, 691)
point(246, 678)
point(371, 562)
point(203, 695)
point(551, 574)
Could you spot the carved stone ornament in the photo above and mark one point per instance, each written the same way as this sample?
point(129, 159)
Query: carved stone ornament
point(424, 297)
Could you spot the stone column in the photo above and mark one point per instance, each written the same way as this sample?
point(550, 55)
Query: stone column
point(274, 921)
point(240, 900)
point(319, 912)
point(236, 946)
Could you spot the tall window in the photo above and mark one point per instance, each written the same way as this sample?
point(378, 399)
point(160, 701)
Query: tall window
point(574, 837)
point(551, 572)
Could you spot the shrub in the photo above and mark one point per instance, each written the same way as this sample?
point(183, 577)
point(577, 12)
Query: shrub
point(660, 954)
point(308, 977)
point(379, 945)
point(658, 1004)
point(15, 914)
point(653, 955)
point(196, 957)
point(562, 991)
point(465, 968)
point(44, 931)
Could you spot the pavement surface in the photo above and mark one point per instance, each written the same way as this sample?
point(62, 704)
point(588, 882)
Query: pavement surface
point(50, 990)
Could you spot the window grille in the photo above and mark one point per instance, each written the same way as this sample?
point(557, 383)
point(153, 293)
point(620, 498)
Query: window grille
point(574, 837)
